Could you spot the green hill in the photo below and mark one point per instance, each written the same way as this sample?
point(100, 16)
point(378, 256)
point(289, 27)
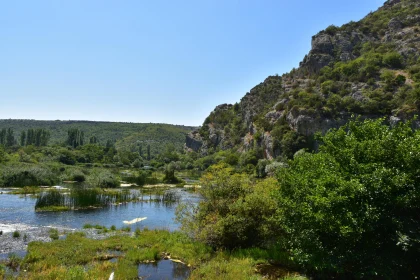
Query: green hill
point(126, 135)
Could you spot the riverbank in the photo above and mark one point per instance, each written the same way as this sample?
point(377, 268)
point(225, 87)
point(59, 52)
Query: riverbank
point(124, 254)
point(15, 238)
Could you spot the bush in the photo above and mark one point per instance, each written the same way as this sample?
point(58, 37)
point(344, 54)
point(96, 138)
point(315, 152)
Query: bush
point(16, 234)
point(347, 209)
point(79, 178)
point(27, 175)
point(54, 234)
point(393, 60)
point(232, 213)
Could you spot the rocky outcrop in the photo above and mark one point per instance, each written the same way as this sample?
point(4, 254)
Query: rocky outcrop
point(309, 125)
point(194, 141)
point(331, 46)
point(255, 101)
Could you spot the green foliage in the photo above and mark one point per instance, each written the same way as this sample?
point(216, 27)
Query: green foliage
point(26, 175)
point(16, 234)
point(81, 257)
point(75, 137)
point(54, 234)
point(347, 209)
point(37, 137)
point(393, 60)
point(170, 173)
point(331, 30)
point(7, 137)
point(129, 136)
point(232, 213)
point(101, 178)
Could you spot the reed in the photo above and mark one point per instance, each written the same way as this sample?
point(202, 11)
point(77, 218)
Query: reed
point(81, 198)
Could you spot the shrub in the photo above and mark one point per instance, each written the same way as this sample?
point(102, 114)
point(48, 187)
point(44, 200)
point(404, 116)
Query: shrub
point(232, 213)
point(393, 60)
point(354, 202)
point(54, 234)
point(16, 234)
point(79, 178)
point(27, 175)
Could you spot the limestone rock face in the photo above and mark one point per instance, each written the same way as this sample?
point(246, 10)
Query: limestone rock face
point(308, 125)
point(327, 48)
point(193, 141)
point(255, 101)
point(267, 144)
point(322, 44)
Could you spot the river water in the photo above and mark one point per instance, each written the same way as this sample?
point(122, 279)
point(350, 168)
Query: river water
point(20, 210)
point(17, 212)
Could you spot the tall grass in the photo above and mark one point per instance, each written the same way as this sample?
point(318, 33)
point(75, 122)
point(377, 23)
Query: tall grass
point(80, 198)
point(50, 198)
point(84, 197)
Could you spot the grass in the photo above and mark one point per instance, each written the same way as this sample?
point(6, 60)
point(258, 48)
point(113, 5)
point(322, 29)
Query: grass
point(27, 190)
point(54, 234)
point(52, 209)
point(78, 257)
point(13, 262)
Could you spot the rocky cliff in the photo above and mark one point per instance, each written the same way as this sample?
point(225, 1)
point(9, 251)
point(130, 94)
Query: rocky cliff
point(369, 68)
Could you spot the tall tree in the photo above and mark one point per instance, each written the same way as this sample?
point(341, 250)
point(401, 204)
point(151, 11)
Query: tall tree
point(10, 138)
point(140, 150)
point(148, 151)
point(93, 140)
point(3, 136)
point(23, 138)
point(37, 137)
point(75, 137)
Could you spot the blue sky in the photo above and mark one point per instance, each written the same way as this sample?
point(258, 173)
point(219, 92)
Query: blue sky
point(151, 61)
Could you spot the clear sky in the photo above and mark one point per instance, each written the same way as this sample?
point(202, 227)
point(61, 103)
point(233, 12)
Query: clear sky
point(151, 61)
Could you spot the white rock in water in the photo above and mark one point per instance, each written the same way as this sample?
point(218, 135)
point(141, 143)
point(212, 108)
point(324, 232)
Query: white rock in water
point(134, 221)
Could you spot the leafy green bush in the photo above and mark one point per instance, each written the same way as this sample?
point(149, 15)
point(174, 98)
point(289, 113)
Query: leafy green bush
point(20, 175)
point(352, 209)
point(54, 234)
point(232, 213)
point(393, 60)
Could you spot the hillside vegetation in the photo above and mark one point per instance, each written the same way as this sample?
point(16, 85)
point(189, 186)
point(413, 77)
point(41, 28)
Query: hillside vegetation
point(126, 136)
point(369, 68)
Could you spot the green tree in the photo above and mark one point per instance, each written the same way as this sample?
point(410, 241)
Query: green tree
point(170, 173)
point(75, 137)
point(93, 140)
point(352, 209)
point(23, 138)
point(10, 138)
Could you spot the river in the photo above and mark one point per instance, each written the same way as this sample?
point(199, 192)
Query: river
point(17, 212)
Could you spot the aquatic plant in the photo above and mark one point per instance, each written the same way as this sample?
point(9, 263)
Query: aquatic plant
point(50, 198)
point(82, 197)
point(54, 234)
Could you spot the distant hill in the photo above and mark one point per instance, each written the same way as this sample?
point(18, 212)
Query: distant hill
point(126, 135)
point(369, 68)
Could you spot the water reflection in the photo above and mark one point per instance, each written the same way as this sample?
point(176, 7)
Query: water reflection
point(164, 269)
